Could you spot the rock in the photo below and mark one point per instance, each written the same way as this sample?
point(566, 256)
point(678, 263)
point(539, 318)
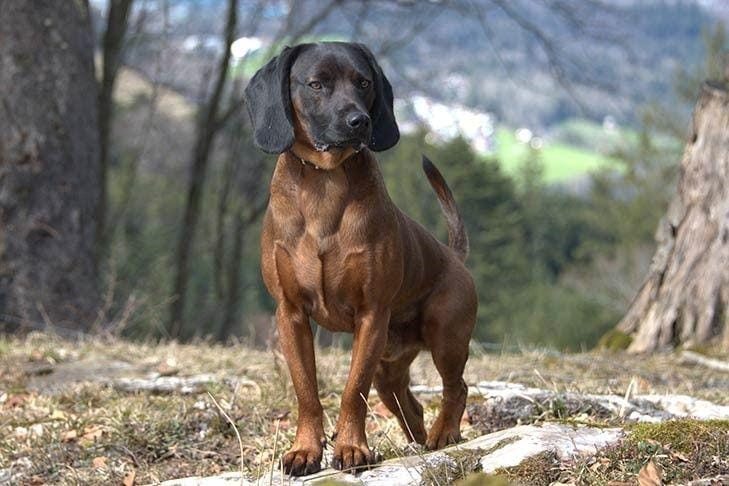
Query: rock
point(506, 404)
point(155, 383)
point(72, 372)
point(493, 451)
point(158, 384)
point(686, 406)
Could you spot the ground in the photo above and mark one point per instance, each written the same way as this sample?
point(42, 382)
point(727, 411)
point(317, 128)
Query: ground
point(68, 415)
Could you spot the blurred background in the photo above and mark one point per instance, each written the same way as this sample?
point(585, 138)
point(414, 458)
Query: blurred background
point(559, 125)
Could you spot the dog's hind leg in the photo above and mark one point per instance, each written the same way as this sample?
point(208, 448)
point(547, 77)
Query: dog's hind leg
point(392, 380)
point(449, 318)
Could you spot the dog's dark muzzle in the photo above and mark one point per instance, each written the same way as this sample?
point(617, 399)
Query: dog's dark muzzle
point(355, 132)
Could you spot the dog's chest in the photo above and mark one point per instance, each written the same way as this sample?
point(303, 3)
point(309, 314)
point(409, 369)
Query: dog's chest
point(323, 267)
point(322, 202)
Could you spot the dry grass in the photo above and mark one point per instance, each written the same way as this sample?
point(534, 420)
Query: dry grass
point(62, 423)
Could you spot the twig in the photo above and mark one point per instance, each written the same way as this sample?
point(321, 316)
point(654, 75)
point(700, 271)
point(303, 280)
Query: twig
point(628, 392)
point(273, 456)
point(696, 358)
point(237, 434)
point(402, 414)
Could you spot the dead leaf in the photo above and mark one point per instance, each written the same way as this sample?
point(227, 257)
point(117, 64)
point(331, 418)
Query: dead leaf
point(680, 456)
point(36, 480)
point(15, 401)
point(100, 461)
point(129, 478)
point(57, 415)
point(91, 434)
point(69, 436)
point(650, 475)
point(619, 483)
point(166, 369)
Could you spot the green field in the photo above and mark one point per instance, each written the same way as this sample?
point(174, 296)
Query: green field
point(561, 161)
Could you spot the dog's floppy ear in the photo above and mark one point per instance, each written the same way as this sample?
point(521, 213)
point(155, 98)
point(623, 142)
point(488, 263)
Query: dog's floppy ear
point(268, 101)
point(385, 133)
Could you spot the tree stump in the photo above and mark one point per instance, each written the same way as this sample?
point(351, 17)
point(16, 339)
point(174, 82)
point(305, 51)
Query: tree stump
point(683, 300)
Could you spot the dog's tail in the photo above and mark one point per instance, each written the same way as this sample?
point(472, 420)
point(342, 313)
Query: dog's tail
point(457, 236)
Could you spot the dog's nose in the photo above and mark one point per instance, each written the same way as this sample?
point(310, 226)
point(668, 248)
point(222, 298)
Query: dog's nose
point(357, 120)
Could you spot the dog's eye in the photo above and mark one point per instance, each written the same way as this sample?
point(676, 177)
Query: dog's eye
point(315, 85)
point(364, 84)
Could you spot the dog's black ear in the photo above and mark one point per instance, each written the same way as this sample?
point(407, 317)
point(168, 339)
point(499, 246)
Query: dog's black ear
point(268, 101)
point(385, 133)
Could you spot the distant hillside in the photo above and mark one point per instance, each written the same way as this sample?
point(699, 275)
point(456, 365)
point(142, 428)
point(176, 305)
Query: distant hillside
point(614, 59)
point(625, 57)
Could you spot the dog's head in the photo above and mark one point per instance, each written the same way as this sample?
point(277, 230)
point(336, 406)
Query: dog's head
point(325, 101)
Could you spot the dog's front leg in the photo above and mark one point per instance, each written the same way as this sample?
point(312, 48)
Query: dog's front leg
point(297, 344)
point(370, 338)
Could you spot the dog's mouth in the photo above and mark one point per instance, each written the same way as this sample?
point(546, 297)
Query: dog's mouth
point(356, 144)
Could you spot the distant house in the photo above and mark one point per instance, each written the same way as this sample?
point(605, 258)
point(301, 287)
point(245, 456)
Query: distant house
point(243, 46)
point(446, 122)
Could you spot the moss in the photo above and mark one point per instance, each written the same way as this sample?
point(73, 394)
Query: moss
point(614, 340)
point(463, 463)
point(685, 435)
point(685, 450)
point(542, 469)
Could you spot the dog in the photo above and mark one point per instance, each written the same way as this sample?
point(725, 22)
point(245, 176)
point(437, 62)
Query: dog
point(335, 248)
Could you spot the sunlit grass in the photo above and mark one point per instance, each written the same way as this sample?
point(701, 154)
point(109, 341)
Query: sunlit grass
point(561, 162)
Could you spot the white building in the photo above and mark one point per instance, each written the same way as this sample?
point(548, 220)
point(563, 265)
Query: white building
point(446, 122)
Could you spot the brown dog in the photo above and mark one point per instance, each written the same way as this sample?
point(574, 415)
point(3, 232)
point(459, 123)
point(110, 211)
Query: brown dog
point(335, 248)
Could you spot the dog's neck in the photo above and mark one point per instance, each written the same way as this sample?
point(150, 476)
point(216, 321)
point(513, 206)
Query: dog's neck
point(295, 171)
point(305, 162)
point(292, 160)
point(327, 160)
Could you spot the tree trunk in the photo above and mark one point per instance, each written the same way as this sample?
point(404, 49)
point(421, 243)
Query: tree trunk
point(207, 130)
point(684, 298)
point(116, 27)
point(232, 299)
point(49, 165)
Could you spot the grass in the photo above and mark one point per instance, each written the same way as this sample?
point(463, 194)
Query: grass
point(62, 423)
point(561, 161)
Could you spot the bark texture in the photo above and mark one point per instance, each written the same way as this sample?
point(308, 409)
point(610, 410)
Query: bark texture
point(684, 298)
point(49, 165)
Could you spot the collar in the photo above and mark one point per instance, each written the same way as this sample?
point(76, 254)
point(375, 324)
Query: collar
point(304, 162)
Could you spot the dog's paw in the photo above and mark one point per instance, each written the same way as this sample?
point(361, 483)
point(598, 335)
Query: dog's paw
point(354, 457)
point(302, 462)
point(441, 435)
